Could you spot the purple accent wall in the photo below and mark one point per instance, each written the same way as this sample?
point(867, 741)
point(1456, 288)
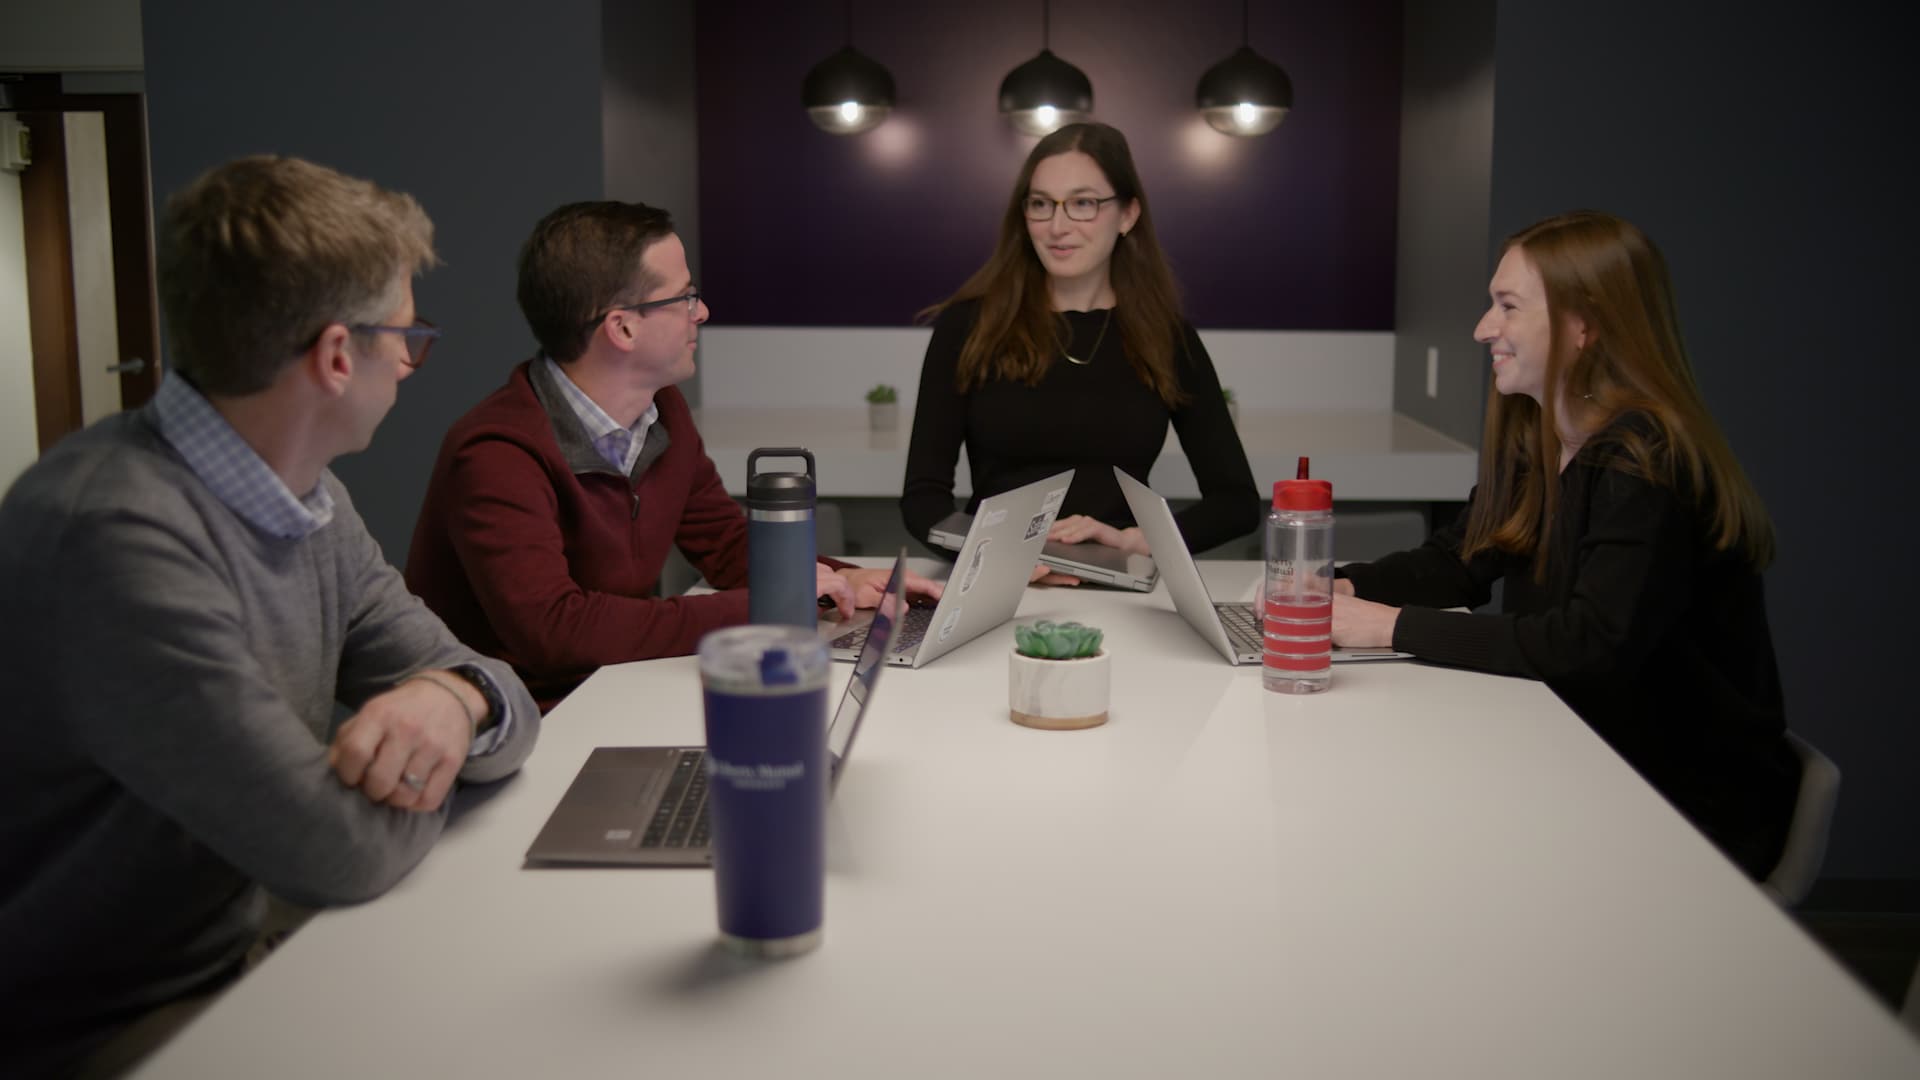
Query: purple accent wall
point(1290, 231)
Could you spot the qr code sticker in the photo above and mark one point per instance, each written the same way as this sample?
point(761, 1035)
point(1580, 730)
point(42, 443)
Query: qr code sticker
point(1038, 525)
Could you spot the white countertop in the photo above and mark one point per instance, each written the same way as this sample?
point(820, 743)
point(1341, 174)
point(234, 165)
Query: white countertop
point(1423, 872)
point(1369, 456)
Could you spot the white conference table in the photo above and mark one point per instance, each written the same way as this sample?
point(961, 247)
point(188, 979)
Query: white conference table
point(1422, 872)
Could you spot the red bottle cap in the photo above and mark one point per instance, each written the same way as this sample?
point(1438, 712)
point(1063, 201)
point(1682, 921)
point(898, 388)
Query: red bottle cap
point(1302, 493)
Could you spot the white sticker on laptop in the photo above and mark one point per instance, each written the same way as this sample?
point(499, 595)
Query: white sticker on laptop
point(1039, 524)
point(946, 628)
point(994, 518)
point(972, 573)
point(1054, 499)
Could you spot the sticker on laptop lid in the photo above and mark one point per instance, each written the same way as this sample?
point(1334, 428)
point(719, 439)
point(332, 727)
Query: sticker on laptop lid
point(1054, 499)
point(946, 628)
point(994, 518)
point(1039, 524)
point(972, 573)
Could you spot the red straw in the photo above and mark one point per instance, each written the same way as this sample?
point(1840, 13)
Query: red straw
point(1302, 474)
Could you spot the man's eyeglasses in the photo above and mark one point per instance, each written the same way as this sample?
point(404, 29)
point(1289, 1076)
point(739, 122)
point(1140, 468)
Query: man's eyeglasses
point(691, 298)
point(1079, 208)
point(420, 338)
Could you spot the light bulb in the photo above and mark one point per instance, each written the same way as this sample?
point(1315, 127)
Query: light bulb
point(1244, 119)
point(1043, 119)
point(848, 117)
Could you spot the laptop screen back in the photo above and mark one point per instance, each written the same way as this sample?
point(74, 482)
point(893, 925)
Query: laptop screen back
point(866, 670)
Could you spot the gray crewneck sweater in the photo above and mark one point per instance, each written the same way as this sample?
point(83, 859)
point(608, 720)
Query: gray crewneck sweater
point(170, 677)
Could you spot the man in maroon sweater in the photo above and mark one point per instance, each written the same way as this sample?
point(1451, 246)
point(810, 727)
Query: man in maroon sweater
point(554, 501)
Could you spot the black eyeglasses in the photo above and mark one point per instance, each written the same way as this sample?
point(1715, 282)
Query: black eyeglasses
point(1079, 207)
point(691, 298)
point(420, 338)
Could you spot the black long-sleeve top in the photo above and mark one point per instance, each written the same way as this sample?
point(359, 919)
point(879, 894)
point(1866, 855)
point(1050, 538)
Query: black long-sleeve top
point(1658, 641)
point(1084, 417)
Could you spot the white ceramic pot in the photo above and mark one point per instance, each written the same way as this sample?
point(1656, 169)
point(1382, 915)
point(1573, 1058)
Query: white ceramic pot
point(883, 415)
point(1058, 695)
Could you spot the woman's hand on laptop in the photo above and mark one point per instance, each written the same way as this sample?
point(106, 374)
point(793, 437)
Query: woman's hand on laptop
point(1362, 624)
point(1079, 529)
point(1047, 575)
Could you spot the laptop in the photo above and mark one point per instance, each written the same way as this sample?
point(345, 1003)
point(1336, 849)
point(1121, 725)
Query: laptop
point(1088, 561)
point(647, 805)
point(1232, 629)
point(983, 591)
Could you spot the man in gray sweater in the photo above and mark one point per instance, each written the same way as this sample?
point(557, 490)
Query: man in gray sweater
point(191, 600)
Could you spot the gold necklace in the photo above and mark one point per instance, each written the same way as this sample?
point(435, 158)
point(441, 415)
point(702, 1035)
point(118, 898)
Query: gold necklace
point(1095, 351)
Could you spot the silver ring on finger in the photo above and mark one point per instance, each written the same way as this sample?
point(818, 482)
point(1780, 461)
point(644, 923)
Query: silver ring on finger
point(414, 781)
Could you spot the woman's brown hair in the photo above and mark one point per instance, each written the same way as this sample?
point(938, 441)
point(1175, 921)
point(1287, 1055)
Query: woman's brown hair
point(1606, 273)
point(1018, 334)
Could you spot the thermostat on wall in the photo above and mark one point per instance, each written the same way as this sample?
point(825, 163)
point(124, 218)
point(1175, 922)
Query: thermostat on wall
point(16, 144)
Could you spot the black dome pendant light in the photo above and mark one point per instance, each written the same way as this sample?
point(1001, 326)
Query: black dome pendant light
point(848, 92)
point(1046, 93)
point(1245, 94)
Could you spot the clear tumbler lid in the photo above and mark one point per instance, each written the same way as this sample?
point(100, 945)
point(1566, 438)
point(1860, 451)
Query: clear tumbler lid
point(764, 659)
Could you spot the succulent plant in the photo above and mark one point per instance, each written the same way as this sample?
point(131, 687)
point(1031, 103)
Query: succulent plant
point(1046, 640)
point(1226, 393)
point(882, 394)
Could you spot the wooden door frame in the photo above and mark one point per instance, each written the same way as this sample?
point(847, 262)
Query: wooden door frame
point(41, 100)
point(47, 232)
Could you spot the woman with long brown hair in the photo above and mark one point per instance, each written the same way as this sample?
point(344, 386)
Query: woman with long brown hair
point(1068, 350)
point(1626, 534)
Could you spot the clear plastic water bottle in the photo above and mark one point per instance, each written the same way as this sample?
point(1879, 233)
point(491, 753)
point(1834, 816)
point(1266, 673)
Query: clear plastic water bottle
point(1297, 601)
point(780, 548)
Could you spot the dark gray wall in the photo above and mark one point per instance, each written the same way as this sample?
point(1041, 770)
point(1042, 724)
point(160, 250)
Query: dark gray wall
point(1446, 178)
point(1756, 144)
point(647, 120)
point(487, 112)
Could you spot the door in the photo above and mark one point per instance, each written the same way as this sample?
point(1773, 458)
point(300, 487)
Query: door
point(88, 232)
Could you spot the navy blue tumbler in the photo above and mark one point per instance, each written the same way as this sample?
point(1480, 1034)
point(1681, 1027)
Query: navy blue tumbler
point(780, 548)
point(766, 705)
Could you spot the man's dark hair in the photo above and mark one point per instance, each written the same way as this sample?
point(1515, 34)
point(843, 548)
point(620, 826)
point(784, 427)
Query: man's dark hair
point(582, 260)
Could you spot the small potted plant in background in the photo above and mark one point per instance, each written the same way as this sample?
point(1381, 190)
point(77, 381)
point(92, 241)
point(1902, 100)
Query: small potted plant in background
point(1057, 676)
point(883, 408)
point(1233, 404)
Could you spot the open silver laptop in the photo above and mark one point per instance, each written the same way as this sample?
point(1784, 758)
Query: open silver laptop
point(986, 584)
point(1232, 629)
point(1090, 562)
point(647, 805)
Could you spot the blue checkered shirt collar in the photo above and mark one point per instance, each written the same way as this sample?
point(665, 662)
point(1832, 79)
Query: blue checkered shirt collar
point(231, 469)
point(618, 445)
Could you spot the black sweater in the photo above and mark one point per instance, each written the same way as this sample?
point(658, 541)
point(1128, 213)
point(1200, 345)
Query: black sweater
point(1087, 418)
point(1657, 641)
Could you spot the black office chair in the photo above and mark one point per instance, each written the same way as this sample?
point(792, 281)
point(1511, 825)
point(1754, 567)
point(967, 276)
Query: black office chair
point(1806, 847)
point(1910, 1013)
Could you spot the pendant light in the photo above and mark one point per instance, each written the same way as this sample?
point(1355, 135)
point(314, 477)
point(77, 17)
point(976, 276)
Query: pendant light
point(1245, 94)
point(1046, 93)
point(848, 92)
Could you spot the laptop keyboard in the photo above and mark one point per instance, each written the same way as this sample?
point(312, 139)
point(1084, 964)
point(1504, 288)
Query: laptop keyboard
point(1241, 625)
point(913, 628)
point(681, 819)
